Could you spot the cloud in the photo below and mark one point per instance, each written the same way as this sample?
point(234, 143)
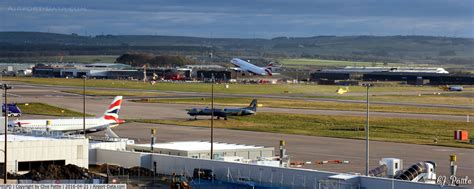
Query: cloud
point(243, 18)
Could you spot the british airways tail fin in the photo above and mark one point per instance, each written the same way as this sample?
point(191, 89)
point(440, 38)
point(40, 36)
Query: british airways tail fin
point(269, 69)
point(112, 113)
point(269, 66)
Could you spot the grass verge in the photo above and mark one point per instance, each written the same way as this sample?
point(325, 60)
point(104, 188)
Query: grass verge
point(305, 89)
point(304, 104)
point(46, 109)
point(411, 131)
point(115, 93)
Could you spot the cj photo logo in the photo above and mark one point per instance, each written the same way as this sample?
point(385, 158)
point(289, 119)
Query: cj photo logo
point(453, 180)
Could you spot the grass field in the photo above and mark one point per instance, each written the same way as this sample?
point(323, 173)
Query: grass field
point(449, 98)
point(115, 93)
point(443, 98)
point(318, 105)
point(46, 109)
point(407, 94)
point(412, 131)
point(304, 89)
point(76, 58)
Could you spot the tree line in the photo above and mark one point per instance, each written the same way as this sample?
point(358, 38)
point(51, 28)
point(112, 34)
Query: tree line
point(141, 59)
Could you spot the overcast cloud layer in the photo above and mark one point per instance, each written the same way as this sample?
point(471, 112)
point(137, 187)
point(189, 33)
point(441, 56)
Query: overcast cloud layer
point(243, 18)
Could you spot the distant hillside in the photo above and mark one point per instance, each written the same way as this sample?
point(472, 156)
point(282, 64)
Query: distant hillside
point(423, 49)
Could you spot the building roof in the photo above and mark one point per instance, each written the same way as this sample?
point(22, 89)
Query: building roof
point(352, 69)
point(204, 66)
point(199, 146)
point(16, 138)
point(107, 65)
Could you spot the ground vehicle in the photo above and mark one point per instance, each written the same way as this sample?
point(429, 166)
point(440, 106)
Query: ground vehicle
point(455, 88)
point(13, 110)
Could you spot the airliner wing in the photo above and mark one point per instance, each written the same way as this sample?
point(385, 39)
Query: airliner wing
point(237, 69)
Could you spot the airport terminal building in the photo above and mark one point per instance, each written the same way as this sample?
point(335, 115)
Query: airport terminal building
point(96, 70)
point(413, 76)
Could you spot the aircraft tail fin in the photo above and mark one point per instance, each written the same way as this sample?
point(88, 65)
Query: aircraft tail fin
point(253, 105)
point(269, 69)
point(112, 113)
point(269, 66)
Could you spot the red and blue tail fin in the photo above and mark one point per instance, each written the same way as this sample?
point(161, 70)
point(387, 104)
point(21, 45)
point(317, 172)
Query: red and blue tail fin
point(112, 112)
point(268, 69)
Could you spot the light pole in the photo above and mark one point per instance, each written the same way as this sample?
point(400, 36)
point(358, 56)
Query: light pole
point(5, 87)
point(84, 77)
point(367, 85)
point(212, 117)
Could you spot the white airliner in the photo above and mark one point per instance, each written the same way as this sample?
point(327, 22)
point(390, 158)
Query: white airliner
point(247, 67)
point(75, 125)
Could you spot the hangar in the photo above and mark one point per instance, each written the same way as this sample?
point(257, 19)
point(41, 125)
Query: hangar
point(25, 152)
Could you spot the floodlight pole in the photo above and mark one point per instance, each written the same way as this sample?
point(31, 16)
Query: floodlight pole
point(367, 133)
point(212, 118)
point(84, 105)
point(5, 87)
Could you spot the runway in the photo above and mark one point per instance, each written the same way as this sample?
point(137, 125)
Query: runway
point(300, 148)
point(96, 105)
point(180, 94)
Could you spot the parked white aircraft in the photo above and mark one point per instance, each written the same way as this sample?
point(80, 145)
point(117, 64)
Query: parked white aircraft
point(75, 125)
point(248, 67)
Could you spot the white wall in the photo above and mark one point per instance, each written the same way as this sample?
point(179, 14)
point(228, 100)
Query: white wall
point(123, 158)
point(45, 150)
point(114, 145)
point(274, 176)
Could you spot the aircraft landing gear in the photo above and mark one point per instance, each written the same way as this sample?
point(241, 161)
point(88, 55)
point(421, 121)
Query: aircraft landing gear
point(225, 118)
point(195, 118)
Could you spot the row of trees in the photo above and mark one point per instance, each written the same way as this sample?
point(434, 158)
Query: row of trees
point(140, 59)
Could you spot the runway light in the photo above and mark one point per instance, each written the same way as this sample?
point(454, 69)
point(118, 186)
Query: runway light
point(26, 104)
point(259, 105)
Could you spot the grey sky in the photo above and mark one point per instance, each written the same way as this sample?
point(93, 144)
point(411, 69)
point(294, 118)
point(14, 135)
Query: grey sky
point(244, 18)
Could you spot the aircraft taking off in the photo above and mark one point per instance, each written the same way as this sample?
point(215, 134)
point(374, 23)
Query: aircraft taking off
point(247, 67)
point(249, 110)
point(75, 125)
